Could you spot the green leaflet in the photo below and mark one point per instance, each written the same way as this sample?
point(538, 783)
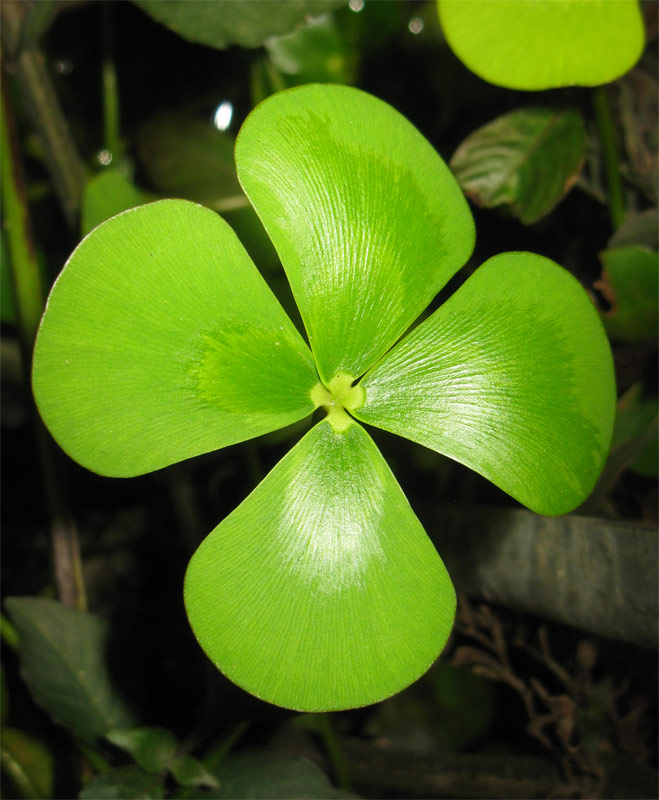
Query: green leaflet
point(161, 341)
point(321, 591)
point(512, 376)
point(544, 44)
point(368, 221)
point(185, 156)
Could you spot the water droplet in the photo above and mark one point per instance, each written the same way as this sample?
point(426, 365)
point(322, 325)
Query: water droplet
point(415, 25)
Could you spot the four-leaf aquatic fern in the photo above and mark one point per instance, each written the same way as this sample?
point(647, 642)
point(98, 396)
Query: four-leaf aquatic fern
point(161, 341)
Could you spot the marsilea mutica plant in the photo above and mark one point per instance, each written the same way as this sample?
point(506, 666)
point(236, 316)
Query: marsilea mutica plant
point(161, 341)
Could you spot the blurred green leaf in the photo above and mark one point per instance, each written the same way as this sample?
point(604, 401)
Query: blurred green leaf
point(640, 228)
point(4, 696)
point(189, 158)
point(448, 709)
point(188, 771)
point(272, 775)
point(527, 159)
point(124, 783)
point(151, 748)
point(223, 22)
point(636, 101)
point(635, 431)
point(630, 284)
point(64, 663)
point(27, 763)
point(25, 23)
point(107, 194)
point(317, 53)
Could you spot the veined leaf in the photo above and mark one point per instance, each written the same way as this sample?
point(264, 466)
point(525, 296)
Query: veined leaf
point(512, 376)
point(367, 219)
point(321, 591)
point(224, 22)
point(63, 661)
point(527, 159)
point(161, 341)
point(545, 43)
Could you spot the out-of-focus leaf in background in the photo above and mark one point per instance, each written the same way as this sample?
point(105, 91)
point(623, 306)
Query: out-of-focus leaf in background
point(187, 157)
point(630, 283)
point(262, 773)
point(527, 160)
point(124, 783)
point(27, 763)
point(107, 194)
point(224, 22)
point(317, 53)
point(63, 655)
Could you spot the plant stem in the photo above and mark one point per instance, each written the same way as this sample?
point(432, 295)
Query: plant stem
point(8, 633)
point(24, 268)
point(41, 103)
point(29, 300)
point(111, 129)
point(334, 751)
point(216, 754)
point(610, 156)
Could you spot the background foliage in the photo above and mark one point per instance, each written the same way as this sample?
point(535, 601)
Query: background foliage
point(548, 685)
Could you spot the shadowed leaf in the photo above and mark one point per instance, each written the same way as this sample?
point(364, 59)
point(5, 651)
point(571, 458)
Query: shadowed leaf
point(64, 663)
point(527, 160)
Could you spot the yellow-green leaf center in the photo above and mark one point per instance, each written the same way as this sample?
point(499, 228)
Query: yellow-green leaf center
point(338, 398)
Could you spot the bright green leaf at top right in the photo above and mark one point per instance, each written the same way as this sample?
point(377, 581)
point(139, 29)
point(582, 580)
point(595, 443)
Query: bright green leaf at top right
point(544, 44)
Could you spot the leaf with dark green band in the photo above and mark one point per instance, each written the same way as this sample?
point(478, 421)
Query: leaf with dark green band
point(161, 341)
point(512, 376)
point(367, 219)
point(321, 591)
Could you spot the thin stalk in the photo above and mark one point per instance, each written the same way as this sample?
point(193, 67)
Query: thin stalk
point(609, 144)
point(29, 300)
point(95, 759)
point(28, 292)
point(216, 754)
point(42, 105)
point(8, 633)
point(334, 752)
point(111, 129)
